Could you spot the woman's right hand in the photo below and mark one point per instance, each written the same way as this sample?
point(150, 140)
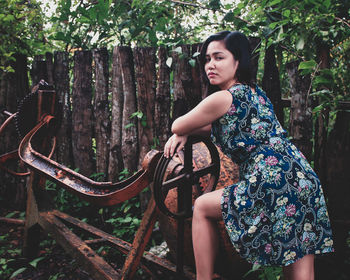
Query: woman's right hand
point(174, 144)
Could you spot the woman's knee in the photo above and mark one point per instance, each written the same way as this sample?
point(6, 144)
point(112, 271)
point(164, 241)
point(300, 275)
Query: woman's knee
point(208, 205)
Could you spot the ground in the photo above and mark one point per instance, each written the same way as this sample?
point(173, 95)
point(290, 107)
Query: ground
point(53, 263)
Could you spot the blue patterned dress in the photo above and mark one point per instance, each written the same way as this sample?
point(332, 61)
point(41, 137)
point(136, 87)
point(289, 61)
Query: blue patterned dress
point(276, 213)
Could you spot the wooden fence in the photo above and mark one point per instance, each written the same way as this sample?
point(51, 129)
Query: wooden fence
point(125, 102)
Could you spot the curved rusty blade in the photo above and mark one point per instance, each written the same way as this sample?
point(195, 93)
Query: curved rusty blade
point(100, 193)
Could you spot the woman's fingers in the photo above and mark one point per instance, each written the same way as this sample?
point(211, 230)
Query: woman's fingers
point(174, 145)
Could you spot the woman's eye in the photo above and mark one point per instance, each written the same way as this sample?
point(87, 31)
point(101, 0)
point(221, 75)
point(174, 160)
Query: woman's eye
point(219, 58)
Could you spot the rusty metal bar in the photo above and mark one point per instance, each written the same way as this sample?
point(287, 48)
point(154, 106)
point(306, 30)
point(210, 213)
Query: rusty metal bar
point(100, 193)
point(141, 239)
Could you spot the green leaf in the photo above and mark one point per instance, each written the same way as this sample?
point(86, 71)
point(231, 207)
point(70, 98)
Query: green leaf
point(286, 13)
point(129, 125)
point(311, 64)
point(34, 263)
point(230, 17)
point(18, 271)
point(300, 44)
point(169, 62)
point(273, 2)
point(192, 62)
point(178, 50)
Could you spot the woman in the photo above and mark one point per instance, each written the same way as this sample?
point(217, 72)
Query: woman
point(276, 213)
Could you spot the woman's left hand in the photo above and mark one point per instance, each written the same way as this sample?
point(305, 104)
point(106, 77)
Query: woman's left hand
point(174, 144)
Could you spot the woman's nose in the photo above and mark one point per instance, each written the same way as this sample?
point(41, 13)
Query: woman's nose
point(211, 64)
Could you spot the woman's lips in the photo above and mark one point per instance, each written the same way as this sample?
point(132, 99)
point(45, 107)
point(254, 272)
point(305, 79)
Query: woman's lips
point(211, 75)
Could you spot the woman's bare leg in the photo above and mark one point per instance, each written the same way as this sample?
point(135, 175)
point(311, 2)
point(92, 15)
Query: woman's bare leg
point(302, 269)
point(207, 210)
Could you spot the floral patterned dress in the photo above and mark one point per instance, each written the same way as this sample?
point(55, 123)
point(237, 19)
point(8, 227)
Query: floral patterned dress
point(276, 213)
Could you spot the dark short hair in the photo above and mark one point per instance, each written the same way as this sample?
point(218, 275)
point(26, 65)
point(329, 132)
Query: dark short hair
point(237, 43)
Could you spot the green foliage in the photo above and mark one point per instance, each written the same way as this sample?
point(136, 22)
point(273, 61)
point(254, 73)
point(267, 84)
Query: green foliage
point(21, 30)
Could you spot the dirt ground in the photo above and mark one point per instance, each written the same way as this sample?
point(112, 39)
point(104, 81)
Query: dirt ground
point(55, 263)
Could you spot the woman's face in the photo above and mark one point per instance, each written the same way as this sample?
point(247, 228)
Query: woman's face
point(220, 65)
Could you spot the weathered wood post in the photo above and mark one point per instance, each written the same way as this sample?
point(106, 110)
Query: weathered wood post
point(162, 102)
point(321, 123)
point(145, 75)
point(39, 70)
point(271, 82)
point(300, 111)
point(182, 81)
point(14, 86)
point(254, 45)
point(116, 164)
point(61, 82)
point(101, 111)
point(82, 113)
point(129, 125)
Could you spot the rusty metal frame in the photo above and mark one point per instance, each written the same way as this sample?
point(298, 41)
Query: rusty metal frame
point(41, 216)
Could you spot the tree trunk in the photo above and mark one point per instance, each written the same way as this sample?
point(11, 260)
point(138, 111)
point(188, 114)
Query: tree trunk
point(82, 113)
point(145, 73)
point(162, 103)
point(129, 126)
point(101, 111)
point(116, 165)
point(64, 135)
point(300, 110)
point(271, 82)
point(182, 82)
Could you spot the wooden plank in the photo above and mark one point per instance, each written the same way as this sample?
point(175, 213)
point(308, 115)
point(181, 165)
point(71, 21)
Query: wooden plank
point(271, 82)
point(97, 267)
point(82, 113)
point(129, 126)
point(101, 111)
point(182, 81)
point(116, 165)
point(64, 135)
point(145, 74)
point(300, 111)
point(162, 102)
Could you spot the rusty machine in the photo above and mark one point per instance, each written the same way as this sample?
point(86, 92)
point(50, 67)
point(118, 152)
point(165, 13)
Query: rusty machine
point(175, 183)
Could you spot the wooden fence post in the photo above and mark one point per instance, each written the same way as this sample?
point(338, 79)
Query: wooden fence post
point(116, 165)
point(39, 70)
point(182, 81)
point(254, 45)
point(129, 125)
point(145, 74)
point(322, 120)
point(162, 102)
point(62, 87)
point(49, 68)
point(14, 86)
point(337, 156)
point(197, 87)
point(82, 113)
point(101, 111)
point(271, 82)
point(300, 110)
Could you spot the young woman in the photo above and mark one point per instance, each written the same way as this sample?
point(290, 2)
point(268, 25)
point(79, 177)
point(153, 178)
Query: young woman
point(276, 214)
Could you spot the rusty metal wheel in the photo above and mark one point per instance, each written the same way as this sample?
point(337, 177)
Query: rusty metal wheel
point(185, 179)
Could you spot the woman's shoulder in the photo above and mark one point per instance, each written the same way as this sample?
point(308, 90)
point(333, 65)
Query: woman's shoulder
point(240, 91)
